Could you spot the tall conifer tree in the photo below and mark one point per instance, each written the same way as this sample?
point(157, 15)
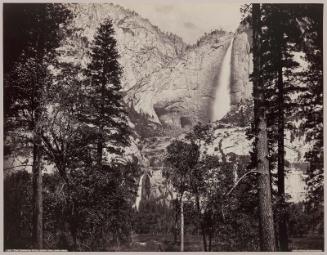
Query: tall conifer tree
point(103, 110)
point(311, 106)
point(267, 233)
point(280, 31)
point(27, 78)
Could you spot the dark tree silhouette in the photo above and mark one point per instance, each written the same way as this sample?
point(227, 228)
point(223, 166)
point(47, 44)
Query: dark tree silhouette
point(267, 233)
point(103, 110)
point(311, 106)
point(26, 81)
point(280, 36)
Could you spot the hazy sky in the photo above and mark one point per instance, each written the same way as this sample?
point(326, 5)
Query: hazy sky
point(189, 19)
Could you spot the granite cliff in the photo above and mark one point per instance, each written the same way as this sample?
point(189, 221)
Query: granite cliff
point(164, 78)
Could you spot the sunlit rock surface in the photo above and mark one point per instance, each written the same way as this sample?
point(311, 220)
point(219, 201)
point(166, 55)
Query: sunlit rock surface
point(241, 87)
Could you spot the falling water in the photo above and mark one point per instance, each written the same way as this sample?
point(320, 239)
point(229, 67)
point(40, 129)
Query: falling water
point(139, 193)
point(221, 104)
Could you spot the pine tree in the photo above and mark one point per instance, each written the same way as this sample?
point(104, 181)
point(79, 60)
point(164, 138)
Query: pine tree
point(280, 32)
point(267, 234)
point(103, 108)
point(311, 106)
point(80, 104)
point(26, 82)
point(284, 34)
point(286, 28)
point(101, 113)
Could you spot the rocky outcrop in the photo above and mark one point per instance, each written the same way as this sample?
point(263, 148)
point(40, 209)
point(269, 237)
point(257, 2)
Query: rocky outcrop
point(241, 87)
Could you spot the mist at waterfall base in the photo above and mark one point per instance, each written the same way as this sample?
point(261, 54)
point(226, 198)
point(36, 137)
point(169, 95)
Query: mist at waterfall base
point(222, 101)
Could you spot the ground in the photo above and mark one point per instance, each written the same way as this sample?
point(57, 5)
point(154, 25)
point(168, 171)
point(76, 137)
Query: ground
point(149, 242)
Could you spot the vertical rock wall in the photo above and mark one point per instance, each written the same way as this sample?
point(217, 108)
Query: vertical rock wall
point(241, 87)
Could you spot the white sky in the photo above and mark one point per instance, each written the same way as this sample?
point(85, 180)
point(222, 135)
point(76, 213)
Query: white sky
point(188, 19)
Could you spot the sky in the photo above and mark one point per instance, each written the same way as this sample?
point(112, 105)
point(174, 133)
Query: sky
point(189, 19)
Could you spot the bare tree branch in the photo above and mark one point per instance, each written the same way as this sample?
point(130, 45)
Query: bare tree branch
point(239, 180)
point(8, 168)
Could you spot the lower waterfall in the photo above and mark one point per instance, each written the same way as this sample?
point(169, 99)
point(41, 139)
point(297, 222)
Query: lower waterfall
point(221, 104)
point(139, 193)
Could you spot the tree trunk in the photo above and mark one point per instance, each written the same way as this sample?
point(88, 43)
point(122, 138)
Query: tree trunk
point(100, 127)
point(210, 240)
point(73, 231)
point(200, 224)
point(282, 221)
point(182, 224)
point(265, 205)
point(204, 239)
point(37, 192)
point(99, 149)
point(175, 228)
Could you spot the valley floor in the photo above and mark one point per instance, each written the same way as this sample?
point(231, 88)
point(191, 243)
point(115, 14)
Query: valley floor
point(157, 243)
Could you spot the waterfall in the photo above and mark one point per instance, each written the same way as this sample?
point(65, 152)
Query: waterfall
point(139, 194)
point(221, 104)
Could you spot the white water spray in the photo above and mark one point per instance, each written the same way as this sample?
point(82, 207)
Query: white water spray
point(139, 194)
point(221, 104)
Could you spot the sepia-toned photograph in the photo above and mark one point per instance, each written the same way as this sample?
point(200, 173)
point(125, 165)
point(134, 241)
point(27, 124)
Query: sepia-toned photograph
point(163, 126)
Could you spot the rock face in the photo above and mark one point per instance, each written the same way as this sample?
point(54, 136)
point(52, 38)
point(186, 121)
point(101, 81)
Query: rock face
point(169, 81)
point(241, 87)
point(181, 94)
point(144, 49)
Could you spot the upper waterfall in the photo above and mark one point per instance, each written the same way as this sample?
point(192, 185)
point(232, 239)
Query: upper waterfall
point(222, 100)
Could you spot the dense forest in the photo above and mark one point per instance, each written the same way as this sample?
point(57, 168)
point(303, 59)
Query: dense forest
point(70, 125)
